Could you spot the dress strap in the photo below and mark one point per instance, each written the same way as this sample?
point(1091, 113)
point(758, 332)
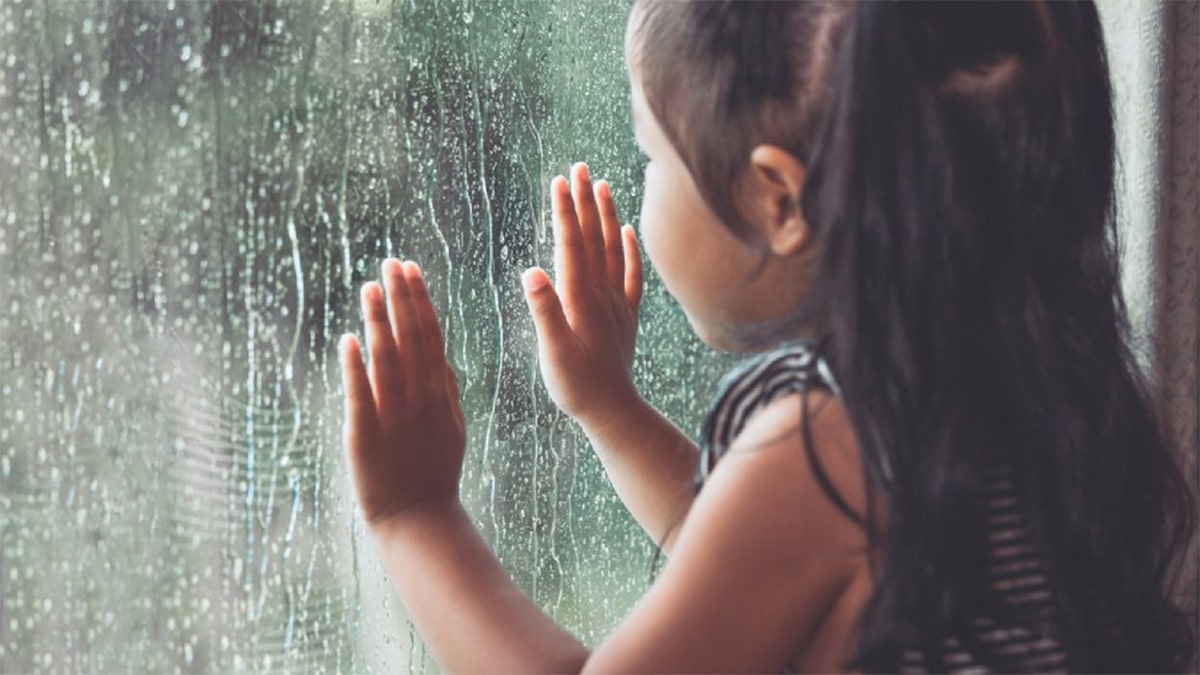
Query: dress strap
point(751, 386)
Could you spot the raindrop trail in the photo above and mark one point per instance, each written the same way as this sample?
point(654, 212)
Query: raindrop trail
point(480, 156)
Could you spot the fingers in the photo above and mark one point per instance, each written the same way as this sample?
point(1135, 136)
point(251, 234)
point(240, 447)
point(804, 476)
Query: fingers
point(408, 368)
point(385, 363)
point(406, 324)
point(393, 281)
point(412, 320)
point(570, 260)
point(633, 268)
point(360, 403)
point(548, 318)
point(435, 348)
point(589, 220)
point(614, 253)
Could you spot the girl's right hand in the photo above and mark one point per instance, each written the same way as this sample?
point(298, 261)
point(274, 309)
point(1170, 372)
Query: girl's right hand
point(587, 320)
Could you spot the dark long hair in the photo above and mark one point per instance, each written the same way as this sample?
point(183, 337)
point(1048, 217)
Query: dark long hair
point(960, 164)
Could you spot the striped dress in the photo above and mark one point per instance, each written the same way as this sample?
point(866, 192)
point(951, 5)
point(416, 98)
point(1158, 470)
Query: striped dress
point(1015, 567)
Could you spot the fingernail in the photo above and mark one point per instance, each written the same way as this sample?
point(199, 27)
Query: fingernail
point(532, 281)
point(583, 172)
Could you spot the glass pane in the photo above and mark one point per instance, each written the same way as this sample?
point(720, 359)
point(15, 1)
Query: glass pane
point(193, 193)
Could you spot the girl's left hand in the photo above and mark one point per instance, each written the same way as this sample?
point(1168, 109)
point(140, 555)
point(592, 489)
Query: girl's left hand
point(404, 427)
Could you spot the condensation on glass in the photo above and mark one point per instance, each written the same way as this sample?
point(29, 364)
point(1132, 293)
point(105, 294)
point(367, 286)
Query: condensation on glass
point(191, 195)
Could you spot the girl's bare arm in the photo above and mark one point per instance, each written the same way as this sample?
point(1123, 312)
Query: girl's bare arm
point(405, 438)
point(587, 329)
point(764, 545)
point(652, 466)
point(465, 606)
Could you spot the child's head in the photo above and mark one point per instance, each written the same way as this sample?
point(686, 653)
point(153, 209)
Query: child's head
point(928, 188)
point(946, 118)
point(720, 218)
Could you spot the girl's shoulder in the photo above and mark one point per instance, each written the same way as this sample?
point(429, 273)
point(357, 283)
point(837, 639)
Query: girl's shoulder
point(787, 397)
point(761, 542)
point(763, 538)
point(790, 368)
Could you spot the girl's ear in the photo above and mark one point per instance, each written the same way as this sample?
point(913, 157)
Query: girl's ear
point(778, 179)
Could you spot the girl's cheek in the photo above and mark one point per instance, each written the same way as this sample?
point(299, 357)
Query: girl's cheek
point(646, 229)
point(648, 224)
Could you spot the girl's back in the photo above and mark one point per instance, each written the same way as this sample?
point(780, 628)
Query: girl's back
point(793, 387)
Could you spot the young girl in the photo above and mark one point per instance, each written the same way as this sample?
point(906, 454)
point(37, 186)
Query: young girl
point(942, 457)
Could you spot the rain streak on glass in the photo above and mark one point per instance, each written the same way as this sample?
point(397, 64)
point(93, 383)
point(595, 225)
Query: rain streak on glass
point(192, 193)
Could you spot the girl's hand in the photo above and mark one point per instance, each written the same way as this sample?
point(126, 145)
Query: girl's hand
point(587, 321)
point(404, 428)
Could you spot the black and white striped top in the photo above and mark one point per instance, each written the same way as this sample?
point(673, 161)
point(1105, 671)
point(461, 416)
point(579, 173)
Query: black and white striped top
point(1015, 565)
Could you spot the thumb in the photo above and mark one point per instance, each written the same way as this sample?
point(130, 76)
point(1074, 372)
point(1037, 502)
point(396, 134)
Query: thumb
point(548, 318)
